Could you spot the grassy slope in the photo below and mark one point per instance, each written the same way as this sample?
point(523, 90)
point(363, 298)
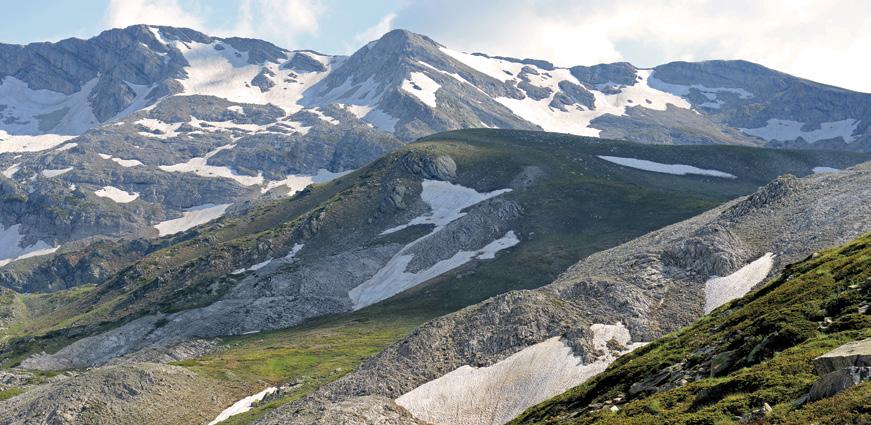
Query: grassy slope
point(789, 311)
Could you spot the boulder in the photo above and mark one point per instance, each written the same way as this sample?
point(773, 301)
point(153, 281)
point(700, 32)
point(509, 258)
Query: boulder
point(841, 368)
point(857, 353)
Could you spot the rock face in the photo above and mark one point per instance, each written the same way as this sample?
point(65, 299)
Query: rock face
point(841, 368)
point(652, 285)
point(130, 394)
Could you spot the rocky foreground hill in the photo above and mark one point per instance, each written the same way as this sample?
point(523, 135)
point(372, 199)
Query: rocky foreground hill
point(441, 224)
point(797, 350)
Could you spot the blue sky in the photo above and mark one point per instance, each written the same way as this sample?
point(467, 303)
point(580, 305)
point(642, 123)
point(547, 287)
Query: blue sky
point(823, 40)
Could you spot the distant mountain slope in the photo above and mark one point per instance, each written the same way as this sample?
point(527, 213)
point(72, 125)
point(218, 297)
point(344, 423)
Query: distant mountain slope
point(474, 213)
point(753, 352)
point(412, 86)
point(489, 362)
point(176, 127)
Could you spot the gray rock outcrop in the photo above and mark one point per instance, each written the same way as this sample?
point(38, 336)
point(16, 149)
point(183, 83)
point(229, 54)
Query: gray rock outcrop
point(841, 368)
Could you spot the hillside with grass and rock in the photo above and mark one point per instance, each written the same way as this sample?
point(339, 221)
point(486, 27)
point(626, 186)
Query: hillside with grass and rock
point(463, 367)
point(796, 350)
point(438, 225)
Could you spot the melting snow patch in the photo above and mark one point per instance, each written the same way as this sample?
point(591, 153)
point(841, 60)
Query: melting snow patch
point(393, 279)
point(422, 87)
point(127, 163)
point(242, 405)
point(200, 167)
point(293, 251)
point(676, 169)
point(323, 117)
point(66, 147)
point(10, 143)
point(34, 111)
point(191, 217)
point(160, 129)
point(54, 173)
point(788, 130)
point(297, 182)
point(11, 170)
point(257, 266)
point(577, 119)
point(381, 120)
point(117, 195)
point(10, 249)
point(495, 394)
point(226, 73)
point(823, 170)
point(720, 290)
point(709, 92)
point(235, 108)
point(445, 201)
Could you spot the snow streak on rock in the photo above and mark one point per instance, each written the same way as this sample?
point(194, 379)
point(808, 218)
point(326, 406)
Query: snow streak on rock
point(495, 394)
point(242, 405)
point(191, 217)
point(446, 201)
point(657, 167)
point(720, 290)
point(786, 130)
point(11, 249)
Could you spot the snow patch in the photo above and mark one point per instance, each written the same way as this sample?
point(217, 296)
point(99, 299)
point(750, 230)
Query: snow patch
point(235, 108)
point(11, 249)
point(720, 290)
point(54, 173)
point(823, 170)
point(11, 170)
point(788, 130)
point(495, 394)
point(657, 167)
point(21, 143)
point(323, 117)
point(446, 201)
point(298, 182)
point(66, 147)
point(709, 92)
point(393, 279)
point(190, 218)
point(117, 195)
point(70, 114)
point(242, 405)
point(200, 167)
point(497, 68)
point(577, 119)
point(226, 73)
point(422, 87)
point(159, 129)
point(126, 163)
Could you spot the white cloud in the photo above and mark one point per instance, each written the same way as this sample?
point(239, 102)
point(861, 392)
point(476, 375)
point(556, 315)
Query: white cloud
point(278, 21)
point(123, 13)
point(817, 39)
point(372, 33)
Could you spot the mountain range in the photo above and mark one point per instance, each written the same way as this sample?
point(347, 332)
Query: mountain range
point(409, 234)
